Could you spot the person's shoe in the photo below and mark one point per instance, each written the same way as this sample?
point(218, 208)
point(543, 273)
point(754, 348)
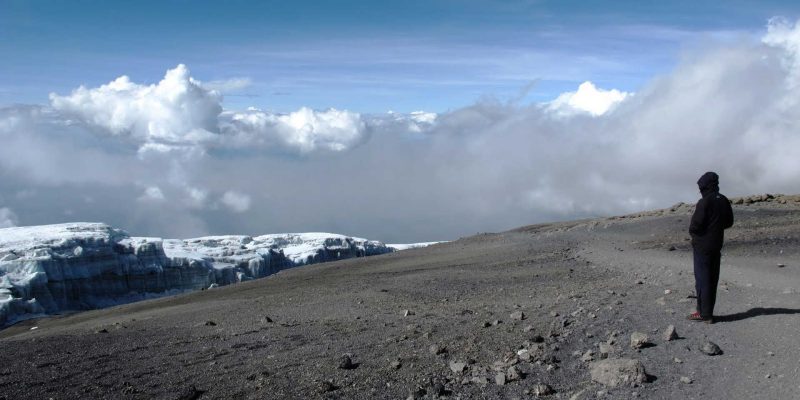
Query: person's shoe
point(695, 316)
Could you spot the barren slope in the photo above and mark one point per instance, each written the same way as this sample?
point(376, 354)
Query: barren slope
point(283, 336)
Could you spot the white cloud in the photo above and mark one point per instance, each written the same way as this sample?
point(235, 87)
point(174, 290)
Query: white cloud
point(235, 201)
point(152, 194)
point(7, 218)
point(228, 85)
point(176, 110)
point(731, 107)
point(305, 129)
point(181, 113)
point(196, 197)
point(587, 99)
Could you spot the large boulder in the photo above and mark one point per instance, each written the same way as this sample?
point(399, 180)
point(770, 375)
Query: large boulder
point(618, 372)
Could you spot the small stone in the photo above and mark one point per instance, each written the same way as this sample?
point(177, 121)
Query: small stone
point(671, 248)
point(481, 380)
point(670, 333)
point(406, 313)
point(487, 324)
point(537, 339)
point(457, 366)
point(541, 389)
point(513, 374)
point(518, 315)
point(210, 323)
point(769, 353)
point(710, 348)
point(667, 291)
point(500, 378)
point(767, 376)
point(437, 349)
point(553, 314)
point(686, 380)
point(588, 356)
point(438, 389)
point(268, 319)
point(605, 350)
point(417, 393)
point(524, 355)
point(496, 322)
point(639, 282)
point(327, 386)
point(639, 340)
point(104, 330)
point(345, 362)
point(396, 364)
point(781, 265)
point(677, 360)
point(528, 328)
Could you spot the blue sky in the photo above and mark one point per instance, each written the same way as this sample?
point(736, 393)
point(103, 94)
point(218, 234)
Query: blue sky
point(365, 56)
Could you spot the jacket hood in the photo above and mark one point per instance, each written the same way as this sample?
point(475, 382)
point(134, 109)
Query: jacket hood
point(708, 183)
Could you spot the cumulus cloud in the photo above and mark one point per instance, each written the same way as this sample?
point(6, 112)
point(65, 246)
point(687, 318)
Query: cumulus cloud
point(305, 129)
point(730, 107)
point(7, 218)
point(237, 202)
point(587, 99)
point(182, 114)
point(176, 110)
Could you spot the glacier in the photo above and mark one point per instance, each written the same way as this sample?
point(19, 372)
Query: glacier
point(51, 269)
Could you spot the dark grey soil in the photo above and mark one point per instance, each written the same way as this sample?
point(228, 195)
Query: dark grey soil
point(577, 284)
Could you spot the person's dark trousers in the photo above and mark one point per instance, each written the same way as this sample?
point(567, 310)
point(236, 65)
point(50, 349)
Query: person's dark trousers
point(706, 278)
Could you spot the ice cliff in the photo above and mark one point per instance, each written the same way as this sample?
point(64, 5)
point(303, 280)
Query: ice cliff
point(77, 266)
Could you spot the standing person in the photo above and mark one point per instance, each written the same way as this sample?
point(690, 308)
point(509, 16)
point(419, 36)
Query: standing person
point(712, 215)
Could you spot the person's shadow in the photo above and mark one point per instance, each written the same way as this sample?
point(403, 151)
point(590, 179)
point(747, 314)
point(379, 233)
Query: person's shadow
point(755, 312)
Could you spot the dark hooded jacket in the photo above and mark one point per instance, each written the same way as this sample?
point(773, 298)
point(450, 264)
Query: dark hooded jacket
point(712, 215)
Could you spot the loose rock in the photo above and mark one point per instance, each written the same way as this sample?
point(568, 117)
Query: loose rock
point(588, 356)
point(670, 333)
point(710, 348)
point(686, 380)
point(513, 374)
point(605, 349)
point(518, 315)
point(457, 366)
point(345, 362)
point(500, 378)
point(327, 386)
point(437, 349)
point(541, 389)
point(639, 340)
point(618, 372)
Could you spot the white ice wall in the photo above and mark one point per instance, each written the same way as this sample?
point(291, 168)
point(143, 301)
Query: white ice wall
point(78, 266)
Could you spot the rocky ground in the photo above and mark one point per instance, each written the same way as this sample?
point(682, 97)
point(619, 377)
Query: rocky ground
point(577, 310)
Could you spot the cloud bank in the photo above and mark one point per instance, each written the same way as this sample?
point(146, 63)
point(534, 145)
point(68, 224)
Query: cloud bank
point(168, 159)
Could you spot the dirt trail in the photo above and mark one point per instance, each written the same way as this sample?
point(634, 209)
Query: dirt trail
point(408, 320)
